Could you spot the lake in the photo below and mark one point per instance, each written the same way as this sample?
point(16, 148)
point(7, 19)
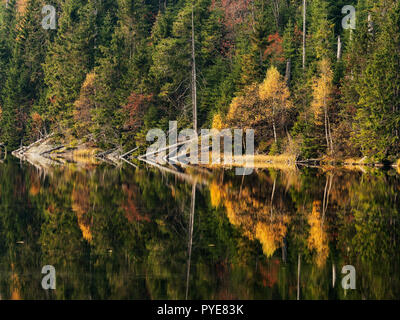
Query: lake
point(139, 233)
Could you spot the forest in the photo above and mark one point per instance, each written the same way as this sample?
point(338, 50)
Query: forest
point(112, 70)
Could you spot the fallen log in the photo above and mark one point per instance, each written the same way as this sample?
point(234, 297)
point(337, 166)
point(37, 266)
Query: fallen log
point(129, 152)
point(51, 150)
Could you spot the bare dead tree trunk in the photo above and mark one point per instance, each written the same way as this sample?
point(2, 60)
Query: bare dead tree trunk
point(288, 71)
point(304, 53)
point(330, 134)
point(275, 11)
point(273, 124)
point(328, 145)
point(370, 24)
point(339, 49)
point(194, 76)
point(304, 33)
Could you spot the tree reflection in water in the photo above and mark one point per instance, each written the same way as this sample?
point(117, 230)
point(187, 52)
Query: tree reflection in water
point(141, 234)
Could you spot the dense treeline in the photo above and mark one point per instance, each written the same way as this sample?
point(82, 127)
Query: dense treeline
point(114, 69)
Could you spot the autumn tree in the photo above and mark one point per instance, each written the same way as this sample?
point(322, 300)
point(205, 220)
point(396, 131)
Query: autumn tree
point(83, 107)
point(275, 97)
point(322, 98)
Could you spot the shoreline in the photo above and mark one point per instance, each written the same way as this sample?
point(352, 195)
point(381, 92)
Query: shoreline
point(46, 152)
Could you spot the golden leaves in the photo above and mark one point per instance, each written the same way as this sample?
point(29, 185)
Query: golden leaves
point(274, 87)
point(271, 235)
point(318, 238)
point(217, 122)
point(322, 91)
point(255, 218)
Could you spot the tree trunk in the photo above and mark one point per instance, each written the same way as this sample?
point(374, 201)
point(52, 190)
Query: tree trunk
point(275, 11)
point(326, 130)
point(190, 238)
point(288, 71)
point(304, 33)
point(298, 275)
point(194, 76)
point(333, 275)
point(273, 124)
point(370, 24)
point(330, 134)
point(272, 197)
point(284, 250)
point(339, 49)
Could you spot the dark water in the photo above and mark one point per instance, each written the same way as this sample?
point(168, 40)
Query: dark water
point(139, 234)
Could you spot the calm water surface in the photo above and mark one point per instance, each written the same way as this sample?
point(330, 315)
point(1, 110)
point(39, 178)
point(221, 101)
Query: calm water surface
point(126, 233)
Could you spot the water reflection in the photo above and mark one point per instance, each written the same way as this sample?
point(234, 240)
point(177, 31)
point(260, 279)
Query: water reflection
point(126, 233)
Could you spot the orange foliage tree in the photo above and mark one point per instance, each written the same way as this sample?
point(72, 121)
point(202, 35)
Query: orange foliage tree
point(84, 105)
point(274, 50)
point(135, 110)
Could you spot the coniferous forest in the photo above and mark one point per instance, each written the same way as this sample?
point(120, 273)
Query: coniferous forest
point(318, 216)
point(113, 69)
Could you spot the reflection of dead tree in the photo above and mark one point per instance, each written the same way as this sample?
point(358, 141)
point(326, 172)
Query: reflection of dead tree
point(3, 149)
point(272, 196)
point(183, 176)
point(128, 153)
point(284, 250)
point(130, 163)
point(327, 190)
point(298, 275)
point(190, 239)
point(111, 156)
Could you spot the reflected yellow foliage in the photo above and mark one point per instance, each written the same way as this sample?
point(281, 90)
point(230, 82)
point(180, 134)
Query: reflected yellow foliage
point(80, 205)
point(318, 238)
point(255, 218)
point(271, 236)
point(215, 194)
point(15, 291)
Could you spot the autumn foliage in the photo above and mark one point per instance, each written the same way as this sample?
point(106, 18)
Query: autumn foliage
point(135, 110)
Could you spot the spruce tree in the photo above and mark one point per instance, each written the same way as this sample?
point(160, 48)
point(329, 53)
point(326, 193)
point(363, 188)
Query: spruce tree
point(378, 113)
point(69, 59)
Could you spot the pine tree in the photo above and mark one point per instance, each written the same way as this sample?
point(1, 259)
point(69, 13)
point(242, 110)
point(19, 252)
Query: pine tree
point(8, 21)
point(378, 114)
point(321, 32)
point(24, 80)
point(69, 59)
